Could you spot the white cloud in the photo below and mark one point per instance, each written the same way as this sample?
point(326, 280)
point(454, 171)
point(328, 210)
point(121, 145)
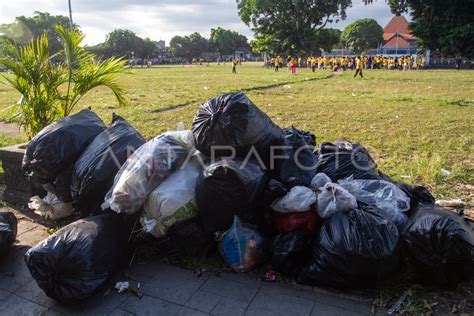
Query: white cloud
point(161, 19)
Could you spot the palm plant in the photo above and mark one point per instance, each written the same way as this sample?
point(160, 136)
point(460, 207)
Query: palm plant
point(37, 80)
point(52, 85)
point(85, 72)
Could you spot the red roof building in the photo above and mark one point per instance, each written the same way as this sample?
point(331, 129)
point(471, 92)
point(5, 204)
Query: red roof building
point(397, 35)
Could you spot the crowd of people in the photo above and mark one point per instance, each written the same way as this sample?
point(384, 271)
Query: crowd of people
point(348, 62)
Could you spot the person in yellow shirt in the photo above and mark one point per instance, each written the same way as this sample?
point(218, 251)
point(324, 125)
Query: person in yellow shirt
point(277, 63)
point(359, 67)
point(234, 66)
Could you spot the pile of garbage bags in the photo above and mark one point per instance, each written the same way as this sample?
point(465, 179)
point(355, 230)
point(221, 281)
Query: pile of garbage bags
point(238, 183)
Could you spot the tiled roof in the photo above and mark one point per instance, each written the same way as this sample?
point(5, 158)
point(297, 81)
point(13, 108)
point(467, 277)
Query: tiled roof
point(397, 42)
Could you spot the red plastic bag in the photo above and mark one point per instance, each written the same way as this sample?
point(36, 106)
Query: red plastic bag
point(299, 221)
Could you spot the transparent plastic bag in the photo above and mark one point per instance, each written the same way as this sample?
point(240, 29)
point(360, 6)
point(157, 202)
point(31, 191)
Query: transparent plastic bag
point(299, 199)
point(50, 207)
point(383, 195)
point(172, 201)
point(147, 168)
point(242, 247)
point(333, 199)
point(319, 181)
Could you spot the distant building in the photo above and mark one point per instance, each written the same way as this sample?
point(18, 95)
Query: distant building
point(397, 38)
point(243, 53)
point(160, 44)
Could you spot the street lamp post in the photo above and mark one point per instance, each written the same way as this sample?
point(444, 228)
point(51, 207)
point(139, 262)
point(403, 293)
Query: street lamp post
point(71, 24)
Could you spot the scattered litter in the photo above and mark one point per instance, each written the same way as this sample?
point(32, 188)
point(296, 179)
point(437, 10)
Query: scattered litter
point(122, 286)
point(287, 86)
point(50, 207)
point(395, 306)
point(446, 173)
point(454, 203)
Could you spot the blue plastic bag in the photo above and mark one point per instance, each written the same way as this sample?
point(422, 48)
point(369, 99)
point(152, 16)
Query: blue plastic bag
point(242, 247)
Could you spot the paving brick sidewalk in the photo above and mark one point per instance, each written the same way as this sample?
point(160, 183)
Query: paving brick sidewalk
point(168, 290)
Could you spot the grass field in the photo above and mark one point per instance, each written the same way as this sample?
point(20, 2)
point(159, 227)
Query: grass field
point(415, 123)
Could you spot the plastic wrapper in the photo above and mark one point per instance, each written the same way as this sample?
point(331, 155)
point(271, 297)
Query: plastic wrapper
point(300, 165)
point(352, 249)
point(60, 144)
point(50, 207)
point(440, 246)
point(233, 120)
point(299, 199)
point(333, 199)
point(380, 194)
point(77, 261)
point(8, 231)
point(242, 247)
point(228, 188)
point(172, 201)
point(146, 169)
point(94, 171)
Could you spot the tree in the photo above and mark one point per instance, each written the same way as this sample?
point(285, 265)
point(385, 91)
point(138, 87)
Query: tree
point(227, 41)
point(327, 39)
point(362, 35)
point(26, 28)
point(292, 23)
point(188, 47)
point(180, 47)
point(122, 42)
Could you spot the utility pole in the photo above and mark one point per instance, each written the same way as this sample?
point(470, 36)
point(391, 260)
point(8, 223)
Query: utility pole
point(71, 24)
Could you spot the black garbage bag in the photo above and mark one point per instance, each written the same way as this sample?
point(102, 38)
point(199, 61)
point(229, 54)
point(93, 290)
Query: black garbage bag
point(439, 244)
point(341, 159)
point(61, 186)
point(8, 231)
point(300, 166)
point(94, 172)
point(189, 238)
point(233, 120)
point(418, 196)
point(228, 188)
point(289, 251)
point(59, 144)
point(352, 249)
point(80, 258)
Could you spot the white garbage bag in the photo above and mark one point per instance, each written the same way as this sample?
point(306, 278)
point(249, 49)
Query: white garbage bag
point(384, 195)
point(172, 201)
point(147, 168)
point(334, 198)
point(299, 199)
point(50, 207)
point(319, 181)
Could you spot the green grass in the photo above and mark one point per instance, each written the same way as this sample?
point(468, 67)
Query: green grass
point(414, 123)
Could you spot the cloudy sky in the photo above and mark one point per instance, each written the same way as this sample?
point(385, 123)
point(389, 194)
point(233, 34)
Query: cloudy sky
point(160, 19)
